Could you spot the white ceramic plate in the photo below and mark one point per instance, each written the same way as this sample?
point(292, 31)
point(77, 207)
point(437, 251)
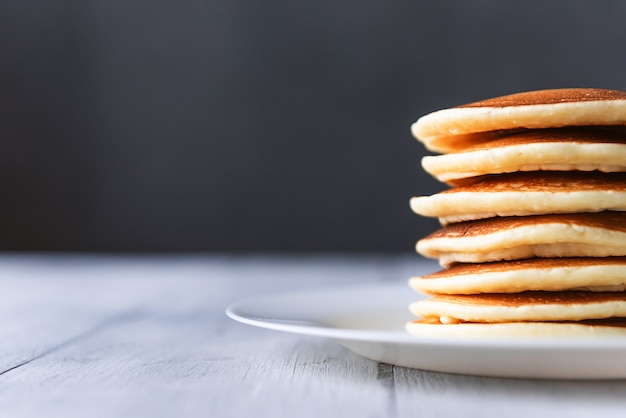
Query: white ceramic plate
point(369, 320)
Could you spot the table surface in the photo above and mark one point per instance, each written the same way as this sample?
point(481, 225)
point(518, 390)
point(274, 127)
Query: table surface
point(147, 336)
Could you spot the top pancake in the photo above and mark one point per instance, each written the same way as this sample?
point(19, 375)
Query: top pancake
point(454, 129)
point(564, 149)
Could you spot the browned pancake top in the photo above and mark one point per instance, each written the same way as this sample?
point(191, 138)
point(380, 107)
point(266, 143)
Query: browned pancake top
point(552, 96)
point(587, 135)
point(527, 264)
point(611, 220)
point(546, 181)
point(531, 298)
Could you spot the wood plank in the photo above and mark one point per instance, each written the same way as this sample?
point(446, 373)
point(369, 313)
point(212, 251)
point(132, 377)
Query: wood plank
point(422, 393)
point(47, 301)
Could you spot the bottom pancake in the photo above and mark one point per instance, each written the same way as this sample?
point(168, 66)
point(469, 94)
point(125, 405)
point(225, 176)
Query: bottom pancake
point(601, 328)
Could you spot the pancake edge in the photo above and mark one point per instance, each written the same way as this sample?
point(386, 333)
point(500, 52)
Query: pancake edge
point(467, 120)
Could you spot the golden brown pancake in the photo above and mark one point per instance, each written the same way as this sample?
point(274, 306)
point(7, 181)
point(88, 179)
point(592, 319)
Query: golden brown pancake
point(444, 130)
point(547, 274)
point(597, 328)
point(522, 194)
point(599, 234)
point(529, 306)
point(565, 149)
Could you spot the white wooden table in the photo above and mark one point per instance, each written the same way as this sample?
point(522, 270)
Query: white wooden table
point(97, 336)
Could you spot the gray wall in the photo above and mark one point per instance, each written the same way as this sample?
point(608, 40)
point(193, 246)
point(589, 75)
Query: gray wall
point(257, 125)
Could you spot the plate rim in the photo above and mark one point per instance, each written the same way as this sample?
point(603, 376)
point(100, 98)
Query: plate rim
point(235, 308)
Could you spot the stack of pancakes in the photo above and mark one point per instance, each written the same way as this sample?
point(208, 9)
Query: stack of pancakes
point(533, 237)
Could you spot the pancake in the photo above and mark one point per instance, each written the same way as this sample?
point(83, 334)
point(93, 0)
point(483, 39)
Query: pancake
point(532, 306)
point(522, 194)
point(597, 274)
point(452, 129)
point(566, 149)
point(613, 327)
point(599, 234)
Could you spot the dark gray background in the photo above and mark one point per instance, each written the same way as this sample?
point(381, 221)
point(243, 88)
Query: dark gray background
point(257, 125)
